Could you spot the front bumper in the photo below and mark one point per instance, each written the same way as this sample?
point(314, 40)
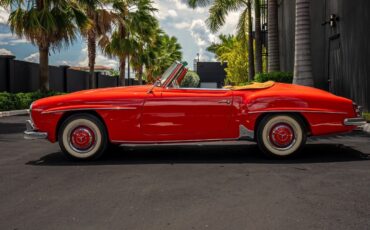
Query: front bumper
point(31, 133)
point(358, 121)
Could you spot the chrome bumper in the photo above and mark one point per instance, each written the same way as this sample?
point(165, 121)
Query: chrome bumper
point(358, 121)
point(31, 133)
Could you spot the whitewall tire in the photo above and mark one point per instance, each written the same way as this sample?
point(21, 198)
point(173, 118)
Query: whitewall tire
point(83, 137)
point(281, 135)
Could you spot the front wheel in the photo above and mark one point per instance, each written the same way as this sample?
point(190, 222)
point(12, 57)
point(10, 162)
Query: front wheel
point(281, 135)
point(83, 137)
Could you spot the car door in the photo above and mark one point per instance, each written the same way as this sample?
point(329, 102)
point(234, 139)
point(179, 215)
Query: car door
point(187, 114)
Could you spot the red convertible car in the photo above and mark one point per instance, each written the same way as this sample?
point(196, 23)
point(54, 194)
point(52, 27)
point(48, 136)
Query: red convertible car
point(279, 117)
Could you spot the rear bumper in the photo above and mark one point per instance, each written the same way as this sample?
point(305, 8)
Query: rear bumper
point(31, 133)
point(358, 121)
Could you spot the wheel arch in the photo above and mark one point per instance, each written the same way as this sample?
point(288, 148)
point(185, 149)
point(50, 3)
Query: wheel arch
point(70, 113)
point(298, 115)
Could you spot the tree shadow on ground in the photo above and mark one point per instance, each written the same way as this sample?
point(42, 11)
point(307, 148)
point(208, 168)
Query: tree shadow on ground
point(208, 154)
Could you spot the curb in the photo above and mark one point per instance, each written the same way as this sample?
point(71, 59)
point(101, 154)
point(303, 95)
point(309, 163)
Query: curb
point(367, 128)
point(14, 113)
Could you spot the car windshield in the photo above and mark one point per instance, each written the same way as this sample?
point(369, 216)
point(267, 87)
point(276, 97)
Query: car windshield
point(168, 73)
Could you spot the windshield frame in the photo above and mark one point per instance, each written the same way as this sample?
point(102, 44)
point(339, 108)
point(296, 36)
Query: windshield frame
point(171, 73)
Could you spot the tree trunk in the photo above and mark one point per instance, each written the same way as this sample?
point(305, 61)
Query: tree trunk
point(44, 68)
point(257, 12)
point(122, 69)
point(140, 73)
point(128, 69)
point(91, 46)
point(302, 53)
point(273, 37)
point(251, 71)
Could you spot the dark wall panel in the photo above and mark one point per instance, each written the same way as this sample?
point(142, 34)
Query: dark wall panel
point(56, 78)
point(24, 76)
point(211, 72)
point(76, 80)
point(4, 63)
point(339, 53)
point(105, 81)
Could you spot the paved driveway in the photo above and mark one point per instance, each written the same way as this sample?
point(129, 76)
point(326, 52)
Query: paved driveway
point(184, 187)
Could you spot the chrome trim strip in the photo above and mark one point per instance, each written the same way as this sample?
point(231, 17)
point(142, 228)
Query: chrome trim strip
point(89, 108)
point(172, 141)
point(245, 133)
point(32, 134)
point(358, 121)
point(295, 111)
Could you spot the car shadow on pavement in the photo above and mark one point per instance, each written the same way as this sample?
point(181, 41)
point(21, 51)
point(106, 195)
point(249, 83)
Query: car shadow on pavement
point(9, 128)
point(199, 154)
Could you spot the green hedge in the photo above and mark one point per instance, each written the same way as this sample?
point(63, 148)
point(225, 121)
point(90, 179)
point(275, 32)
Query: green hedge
point(191, 80)
point(366, 116)
point(285, 77)
point(11, 101)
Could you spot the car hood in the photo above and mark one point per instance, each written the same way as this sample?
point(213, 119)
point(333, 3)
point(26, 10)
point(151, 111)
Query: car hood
point(98, 96)
point(113, 90)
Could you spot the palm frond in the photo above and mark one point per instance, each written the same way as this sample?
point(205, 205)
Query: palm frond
point(219, 10)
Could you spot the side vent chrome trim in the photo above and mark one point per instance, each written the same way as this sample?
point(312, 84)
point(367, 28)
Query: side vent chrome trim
point(245, 133)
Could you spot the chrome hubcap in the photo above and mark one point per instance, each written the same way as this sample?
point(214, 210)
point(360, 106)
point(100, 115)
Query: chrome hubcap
point(282, 136)
point(82, 139)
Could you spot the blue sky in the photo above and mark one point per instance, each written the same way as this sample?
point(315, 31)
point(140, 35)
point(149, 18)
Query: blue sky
point(175, 17)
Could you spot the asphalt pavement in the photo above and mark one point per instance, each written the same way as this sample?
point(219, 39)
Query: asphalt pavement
point(203, 186)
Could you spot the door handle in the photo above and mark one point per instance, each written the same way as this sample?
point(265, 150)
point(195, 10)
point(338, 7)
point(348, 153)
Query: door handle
point(224, 102)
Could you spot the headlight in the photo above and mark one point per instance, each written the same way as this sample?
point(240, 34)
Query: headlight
point(31, 112)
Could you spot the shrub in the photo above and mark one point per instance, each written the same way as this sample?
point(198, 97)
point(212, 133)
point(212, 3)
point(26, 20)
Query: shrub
point(191, 80)
point(7, 101)
point(366, 116)
point(285, 77)
point(10, 101)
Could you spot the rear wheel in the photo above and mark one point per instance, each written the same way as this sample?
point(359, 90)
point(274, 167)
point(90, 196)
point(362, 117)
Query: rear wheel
point(83, 137)
point(281, 135)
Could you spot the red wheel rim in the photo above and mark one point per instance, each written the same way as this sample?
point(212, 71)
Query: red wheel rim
point(282, 135)
point(82, 138)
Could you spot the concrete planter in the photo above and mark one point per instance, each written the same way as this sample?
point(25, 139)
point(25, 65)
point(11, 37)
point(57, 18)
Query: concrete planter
point(14, 113)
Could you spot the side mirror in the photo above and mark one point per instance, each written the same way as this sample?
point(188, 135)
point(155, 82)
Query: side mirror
point(156, 84)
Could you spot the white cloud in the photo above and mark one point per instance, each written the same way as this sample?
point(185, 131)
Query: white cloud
point(192, 21)
point(172, 13)
point(182, 25)
point(231, 23)
point(5, 52)
point(10, 39)
point(201, 33)
point(4, 15)
point(35, 57)
point(100, 60)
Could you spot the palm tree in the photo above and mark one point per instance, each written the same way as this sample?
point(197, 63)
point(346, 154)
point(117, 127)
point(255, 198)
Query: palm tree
point(273, 61)
point(141, 42)
point(302, 53)
point(258, 38)
point(162, 53)
point(47, 24)
point(101, 20)
point(217, 15)
point(130, 15)
point(233, 51)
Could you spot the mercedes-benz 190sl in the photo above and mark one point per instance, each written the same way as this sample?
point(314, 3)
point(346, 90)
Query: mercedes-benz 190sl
point(279, 117)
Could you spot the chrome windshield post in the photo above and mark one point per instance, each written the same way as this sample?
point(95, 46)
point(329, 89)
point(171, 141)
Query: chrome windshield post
point(157, 83)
